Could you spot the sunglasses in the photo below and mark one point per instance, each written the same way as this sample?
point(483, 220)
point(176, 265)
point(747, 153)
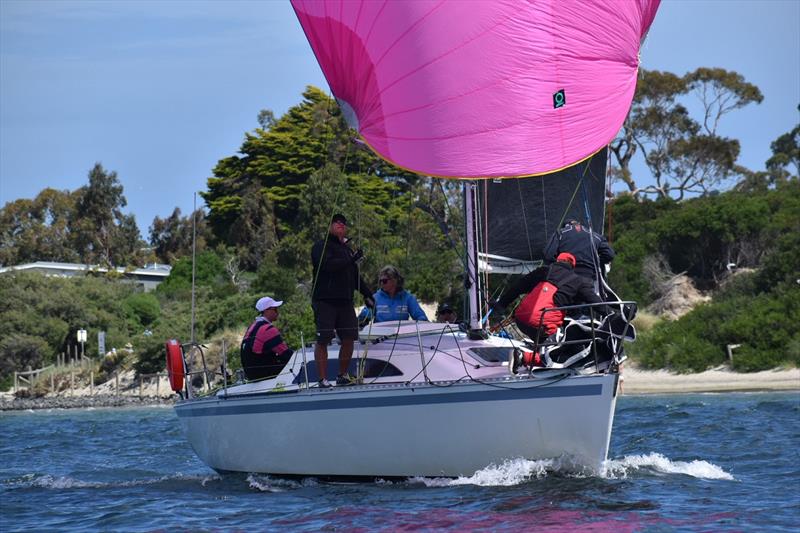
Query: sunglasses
point(384, 281)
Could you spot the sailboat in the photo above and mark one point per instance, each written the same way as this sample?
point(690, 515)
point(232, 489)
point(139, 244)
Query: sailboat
point(511, 98)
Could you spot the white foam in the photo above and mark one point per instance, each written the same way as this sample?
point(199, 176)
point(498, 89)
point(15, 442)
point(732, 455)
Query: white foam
point(621, 468)
point(508, 473)
point(62, 482)
point(518, 471)
point(266, 483)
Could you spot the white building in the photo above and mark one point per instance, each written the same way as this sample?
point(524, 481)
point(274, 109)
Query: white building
point(147, 277)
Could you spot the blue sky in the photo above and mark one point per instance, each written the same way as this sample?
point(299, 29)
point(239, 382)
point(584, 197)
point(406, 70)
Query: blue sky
point(159, 91)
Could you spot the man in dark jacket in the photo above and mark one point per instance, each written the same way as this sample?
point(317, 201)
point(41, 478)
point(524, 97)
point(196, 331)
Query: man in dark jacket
point(550, 286)
point(336, 277)
point(591, 250)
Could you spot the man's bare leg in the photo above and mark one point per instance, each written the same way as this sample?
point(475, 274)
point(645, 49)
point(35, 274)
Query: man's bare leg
point(345, 354)
point(321, 358)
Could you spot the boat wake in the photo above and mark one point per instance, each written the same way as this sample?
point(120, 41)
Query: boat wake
point(506, 474)
point(518, 471)
point(65, 482)
point(658, 464)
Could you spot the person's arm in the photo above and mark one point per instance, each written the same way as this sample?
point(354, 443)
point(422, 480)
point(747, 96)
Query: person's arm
point(274, 342)
point(524, 285)
point(364, 316)
point(414, 309)
point(605, 251)
point(367, 292)
point(550, 251)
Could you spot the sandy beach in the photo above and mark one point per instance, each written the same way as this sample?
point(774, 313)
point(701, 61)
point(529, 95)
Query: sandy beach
point(637, 381)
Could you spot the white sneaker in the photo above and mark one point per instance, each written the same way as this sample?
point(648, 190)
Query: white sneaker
point(324, 384)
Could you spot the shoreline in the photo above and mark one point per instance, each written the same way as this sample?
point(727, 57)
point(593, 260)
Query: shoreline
point(98, 401)
point(721, 379)
point(635, 382)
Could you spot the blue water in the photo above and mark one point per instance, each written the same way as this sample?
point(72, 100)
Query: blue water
point(727, 462)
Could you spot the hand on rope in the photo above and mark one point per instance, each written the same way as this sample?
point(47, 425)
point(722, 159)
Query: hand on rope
point(358, 255)
point(503, 324)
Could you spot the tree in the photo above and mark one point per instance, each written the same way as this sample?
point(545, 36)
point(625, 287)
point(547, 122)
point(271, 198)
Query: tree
point(102, 233)
point(266, 119)
point(253, 232)
point(172, 236)
point(684, 155)
point(785, 153)
point(38, 229)
point(281, 157)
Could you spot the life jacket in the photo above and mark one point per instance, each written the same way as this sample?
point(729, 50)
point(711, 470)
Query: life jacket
point(530, 309)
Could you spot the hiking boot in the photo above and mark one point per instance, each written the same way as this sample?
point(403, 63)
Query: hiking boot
point(344, 379)
point(323, 384)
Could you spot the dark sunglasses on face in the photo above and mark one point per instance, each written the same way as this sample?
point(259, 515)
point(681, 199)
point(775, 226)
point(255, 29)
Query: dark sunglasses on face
point(384, 281)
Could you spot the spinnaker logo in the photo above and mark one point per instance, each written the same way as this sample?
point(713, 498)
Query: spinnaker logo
point(559, 99)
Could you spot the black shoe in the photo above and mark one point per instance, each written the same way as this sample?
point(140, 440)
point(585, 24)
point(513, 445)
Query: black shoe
point(344, 380)
point(323, 384)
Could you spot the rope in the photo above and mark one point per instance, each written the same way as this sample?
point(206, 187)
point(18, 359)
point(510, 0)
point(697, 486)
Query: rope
point(525, 218)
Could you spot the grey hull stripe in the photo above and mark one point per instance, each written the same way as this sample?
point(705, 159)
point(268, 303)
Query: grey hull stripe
point(275, 405)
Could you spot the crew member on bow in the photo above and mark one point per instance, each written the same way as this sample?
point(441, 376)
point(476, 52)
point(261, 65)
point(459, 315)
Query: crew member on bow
point(263, 351)
point(555, 285)
point(591, 250)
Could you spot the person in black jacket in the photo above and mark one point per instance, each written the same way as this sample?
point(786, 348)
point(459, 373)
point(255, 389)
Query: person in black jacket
point(336, 277)
point(591, 250)
point(550, 286)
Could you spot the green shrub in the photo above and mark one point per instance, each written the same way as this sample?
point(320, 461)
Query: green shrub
point(144, 307)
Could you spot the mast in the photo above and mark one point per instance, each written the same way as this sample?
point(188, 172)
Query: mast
point(194, 248)
point(473, 279)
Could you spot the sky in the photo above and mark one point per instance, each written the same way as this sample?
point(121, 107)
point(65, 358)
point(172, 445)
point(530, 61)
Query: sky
point(160, 90)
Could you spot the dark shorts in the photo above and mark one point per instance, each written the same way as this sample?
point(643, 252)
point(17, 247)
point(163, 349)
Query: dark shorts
point(334, 316)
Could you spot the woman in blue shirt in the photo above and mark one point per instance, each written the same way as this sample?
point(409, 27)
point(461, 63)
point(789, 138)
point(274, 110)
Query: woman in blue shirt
point(392, 301)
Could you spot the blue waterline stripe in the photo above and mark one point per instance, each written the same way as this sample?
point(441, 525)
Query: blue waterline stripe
point(274, 405)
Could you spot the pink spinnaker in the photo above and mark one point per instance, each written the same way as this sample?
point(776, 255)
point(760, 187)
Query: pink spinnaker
point(471, 89)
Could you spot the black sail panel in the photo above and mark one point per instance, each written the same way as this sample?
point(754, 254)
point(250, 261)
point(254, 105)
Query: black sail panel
point(521, 214)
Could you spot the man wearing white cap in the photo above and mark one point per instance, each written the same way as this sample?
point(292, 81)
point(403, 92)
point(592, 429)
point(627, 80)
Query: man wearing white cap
point(264, 354)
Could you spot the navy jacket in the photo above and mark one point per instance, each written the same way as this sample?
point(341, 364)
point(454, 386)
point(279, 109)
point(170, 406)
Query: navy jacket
point(576, 239)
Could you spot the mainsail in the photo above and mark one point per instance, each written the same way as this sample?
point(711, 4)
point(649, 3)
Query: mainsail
point(522, 215)
point(482, 88)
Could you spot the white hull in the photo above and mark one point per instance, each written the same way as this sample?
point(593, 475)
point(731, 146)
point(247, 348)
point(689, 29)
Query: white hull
point(405, 430)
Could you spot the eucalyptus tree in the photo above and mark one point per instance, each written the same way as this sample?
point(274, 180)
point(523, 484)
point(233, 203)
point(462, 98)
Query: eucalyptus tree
point(38, 229)
point(684, 153)
point(102, 233)
point(172, 237)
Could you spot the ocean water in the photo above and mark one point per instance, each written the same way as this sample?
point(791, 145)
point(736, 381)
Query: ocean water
point(726, 462)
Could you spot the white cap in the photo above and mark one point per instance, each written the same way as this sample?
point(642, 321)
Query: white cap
point(266, 302)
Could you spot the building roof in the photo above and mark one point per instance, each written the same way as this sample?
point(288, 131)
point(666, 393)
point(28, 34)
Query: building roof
point(150, 269)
